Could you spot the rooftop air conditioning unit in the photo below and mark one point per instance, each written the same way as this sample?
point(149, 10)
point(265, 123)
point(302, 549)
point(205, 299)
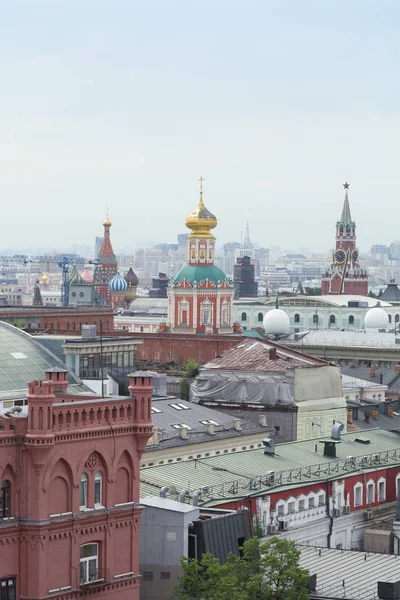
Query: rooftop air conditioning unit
point(284, 525)
point(337, 512)
point(368, 515)
point(271, 528)
point(346, 509)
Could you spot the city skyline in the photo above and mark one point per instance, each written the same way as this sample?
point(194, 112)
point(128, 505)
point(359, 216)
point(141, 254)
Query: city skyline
point(275, 106)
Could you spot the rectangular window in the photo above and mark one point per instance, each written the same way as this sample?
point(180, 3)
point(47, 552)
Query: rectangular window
point(381, 491)
point(291, 507)
point(8, 588)
point(321, 499)
point(5, 499)
point(302, 504)
point(370, 493)
point(358, 496)
point(311, 502)
point(184, 316)
point(89, 563)
point(83, 492)
point(147, 575)
point(206, 317)
point(165, 575)
point(281, 509)
point(97, 489)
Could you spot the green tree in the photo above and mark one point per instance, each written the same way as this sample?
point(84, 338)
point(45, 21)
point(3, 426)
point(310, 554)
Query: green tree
point(268, 571)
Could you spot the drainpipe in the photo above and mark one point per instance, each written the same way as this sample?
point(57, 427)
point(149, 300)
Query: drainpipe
point(329, 536)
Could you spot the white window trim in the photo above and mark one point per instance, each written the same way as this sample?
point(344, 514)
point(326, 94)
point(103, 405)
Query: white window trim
point(358, 486)
point(397, 484)
point(382, 480)
point(98, 477)
point(299, 499)
point(370, 483)
point(278, 505)
point(84, 480)
point(87, 560)
point(321, 493)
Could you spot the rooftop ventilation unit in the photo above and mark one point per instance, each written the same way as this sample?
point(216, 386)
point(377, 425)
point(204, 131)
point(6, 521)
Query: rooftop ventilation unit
point(336, 431)
point(362, 440)
point(269, 446)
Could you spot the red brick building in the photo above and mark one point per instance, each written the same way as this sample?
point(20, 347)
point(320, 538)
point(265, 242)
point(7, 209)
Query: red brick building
point(345, 275)
point(69, 491)
point(58, 319)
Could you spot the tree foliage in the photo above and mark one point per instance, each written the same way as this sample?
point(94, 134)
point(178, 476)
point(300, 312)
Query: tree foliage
point(268, 571)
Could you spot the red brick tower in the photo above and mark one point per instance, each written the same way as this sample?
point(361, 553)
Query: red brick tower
point(345, 275)
point(107, 267)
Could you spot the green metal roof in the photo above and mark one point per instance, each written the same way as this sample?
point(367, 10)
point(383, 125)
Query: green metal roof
point(200, 273)
point(237, 475)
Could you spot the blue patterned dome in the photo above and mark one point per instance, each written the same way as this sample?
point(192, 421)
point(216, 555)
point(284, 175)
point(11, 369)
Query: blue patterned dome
point(118, 283)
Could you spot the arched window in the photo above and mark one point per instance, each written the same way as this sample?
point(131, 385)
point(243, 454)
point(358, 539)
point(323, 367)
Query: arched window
point(351, 320)
point(244, 316)
point(5, 499)
point(297, 318)
point(315, 319)
point(83, 492)
point(397, 318)
point(390, 318)
point(89, 563)
point(260, 317)
point(98, 489)
point(332, 319)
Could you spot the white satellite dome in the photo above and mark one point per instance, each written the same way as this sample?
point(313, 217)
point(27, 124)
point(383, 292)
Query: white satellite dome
point(276, 322)
point(376, 318)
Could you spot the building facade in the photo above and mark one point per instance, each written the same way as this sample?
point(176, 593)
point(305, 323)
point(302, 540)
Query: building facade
point(69, 495)
point(200, 296)
point(345, 275)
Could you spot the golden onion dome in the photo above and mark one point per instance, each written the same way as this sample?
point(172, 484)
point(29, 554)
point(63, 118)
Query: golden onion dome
point(107, 222)
point(201, 220)
point(44, 280)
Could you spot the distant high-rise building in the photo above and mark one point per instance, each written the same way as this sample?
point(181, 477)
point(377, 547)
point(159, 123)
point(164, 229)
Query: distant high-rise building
point(394, 250)
point(243, 279)
point(97, 247)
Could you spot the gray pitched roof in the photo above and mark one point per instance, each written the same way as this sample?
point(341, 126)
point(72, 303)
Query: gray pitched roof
point(349, 575)
point(170, 412)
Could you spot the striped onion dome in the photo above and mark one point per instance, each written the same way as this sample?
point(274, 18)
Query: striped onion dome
point(118, 283)
point(75, 277)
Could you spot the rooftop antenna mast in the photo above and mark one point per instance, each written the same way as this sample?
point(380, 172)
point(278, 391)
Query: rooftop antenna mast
point(64, 266)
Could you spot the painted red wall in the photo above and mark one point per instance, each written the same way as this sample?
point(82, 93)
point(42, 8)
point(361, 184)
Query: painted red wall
point(44, 458)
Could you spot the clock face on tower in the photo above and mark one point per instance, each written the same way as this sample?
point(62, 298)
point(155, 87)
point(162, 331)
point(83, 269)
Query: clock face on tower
point(354, 256)
point(340, 256)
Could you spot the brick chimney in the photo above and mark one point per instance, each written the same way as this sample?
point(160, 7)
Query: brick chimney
point(367, 417)
point(375, 413)
point(389, 410)
point(58, 378)
point(349, 416)
point(272, 354)
point(372, 372)
point(141, 390)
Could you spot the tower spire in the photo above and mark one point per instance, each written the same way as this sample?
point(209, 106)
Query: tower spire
point(247, 235)
point(346, 215)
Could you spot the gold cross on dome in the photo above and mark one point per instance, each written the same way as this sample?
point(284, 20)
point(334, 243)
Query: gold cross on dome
point(201, 184)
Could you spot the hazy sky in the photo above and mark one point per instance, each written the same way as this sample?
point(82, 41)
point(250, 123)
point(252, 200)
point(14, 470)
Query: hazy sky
point(126, 103)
